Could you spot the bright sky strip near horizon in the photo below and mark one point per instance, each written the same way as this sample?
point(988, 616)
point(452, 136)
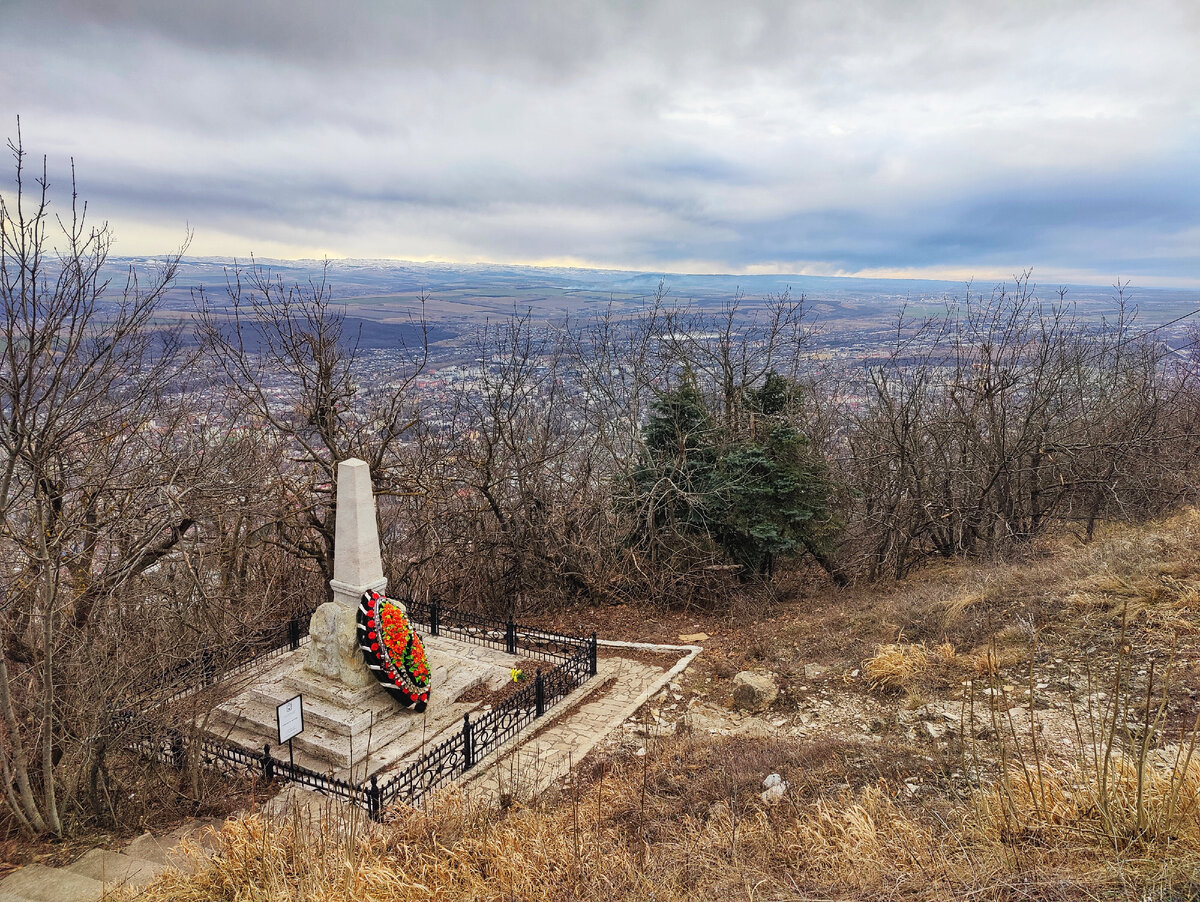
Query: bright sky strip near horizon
point(857, 137)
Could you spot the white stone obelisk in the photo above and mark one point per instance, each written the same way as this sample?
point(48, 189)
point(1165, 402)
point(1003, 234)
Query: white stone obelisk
point(357, 568)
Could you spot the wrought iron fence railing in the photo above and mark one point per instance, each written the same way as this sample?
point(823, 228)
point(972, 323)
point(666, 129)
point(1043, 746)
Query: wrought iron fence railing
point(490, 731)
point(573, 660)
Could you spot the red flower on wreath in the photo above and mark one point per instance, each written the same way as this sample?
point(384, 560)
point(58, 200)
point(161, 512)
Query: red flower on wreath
point(387, 637)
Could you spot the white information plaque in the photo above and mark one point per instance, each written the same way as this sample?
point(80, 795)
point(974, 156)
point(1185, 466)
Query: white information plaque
point(291, 718)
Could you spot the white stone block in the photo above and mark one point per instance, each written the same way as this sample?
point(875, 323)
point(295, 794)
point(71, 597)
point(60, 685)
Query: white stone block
point(357, 565)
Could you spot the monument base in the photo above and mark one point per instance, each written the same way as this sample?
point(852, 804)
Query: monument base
point(356, 731)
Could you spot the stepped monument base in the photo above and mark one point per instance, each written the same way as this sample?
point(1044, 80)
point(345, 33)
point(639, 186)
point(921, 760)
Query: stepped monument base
point(354, 732)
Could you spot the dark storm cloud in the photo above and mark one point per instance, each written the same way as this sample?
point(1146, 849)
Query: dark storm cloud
point(863, 135)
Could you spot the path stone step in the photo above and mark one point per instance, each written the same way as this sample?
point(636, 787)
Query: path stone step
point(249, 726)
point(200, 834)
point(326, 750)
point(38, 883)
point(116, 868)
point(199, 830)
point(148, 847)
point(295, 799)
point(338, 720)
point(252, 740)
point(286, 682)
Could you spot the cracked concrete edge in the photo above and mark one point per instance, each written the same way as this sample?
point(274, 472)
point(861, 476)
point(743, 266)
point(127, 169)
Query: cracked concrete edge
point(610, 724)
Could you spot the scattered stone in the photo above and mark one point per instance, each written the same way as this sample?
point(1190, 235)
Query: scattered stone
point(691, 638)
point(935, 730)
point(774, 786)
point(814, 671)
point(754, 691)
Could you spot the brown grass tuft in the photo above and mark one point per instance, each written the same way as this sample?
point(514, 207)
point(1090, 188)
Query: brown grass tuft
point(896, 666)
point(913, 667)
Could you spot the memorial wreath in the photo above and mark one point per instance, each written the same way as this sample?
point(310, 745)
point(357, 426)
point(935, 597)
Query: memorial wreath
point(393, 650)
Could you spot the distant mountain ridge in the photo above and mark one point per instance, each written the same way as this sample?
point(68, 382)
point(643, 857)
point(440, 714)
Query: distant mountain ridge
point(389, 285)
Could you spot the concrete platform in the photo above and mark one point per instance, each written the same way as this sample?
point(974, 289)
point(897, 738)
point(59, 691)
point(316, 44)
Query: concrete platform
point(354, 733)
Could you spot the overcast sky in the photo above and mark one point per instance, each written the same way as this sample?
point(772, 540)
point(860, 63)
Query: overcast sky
point(948, 139)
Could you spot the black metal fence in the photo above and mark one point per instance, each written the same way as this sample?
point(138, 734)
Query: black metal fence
point(573, 660)
point(207, 667)
point(461, 751)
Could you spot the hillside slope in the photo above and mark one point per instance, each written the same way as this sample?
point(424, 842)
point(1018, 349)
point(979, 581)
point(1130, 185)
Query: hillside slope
point(1000, 731)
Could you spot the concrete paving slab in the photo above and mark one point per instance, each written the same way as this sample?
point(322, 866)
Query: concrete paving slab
point(545, 753)
point(38, 883)
point(116, 868)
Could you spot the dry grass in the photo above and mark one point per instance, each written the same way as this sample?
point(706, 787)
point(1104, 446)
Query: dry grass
point(914, 667)
point(1151, 571)
point(1130, 780)
point(1153, 597)
point(632, 834)
point(896, 666)
point(1132, 807)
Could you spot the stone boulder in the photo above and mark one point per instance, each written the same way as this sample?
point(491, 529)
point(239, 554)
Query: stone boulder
point(815, 671)
point(754, 691)
point(334, 650)
point(774, 787)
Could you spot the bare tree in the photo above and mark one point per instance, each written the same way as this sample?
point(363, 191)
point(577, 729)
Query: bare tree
point(987, 426)
point(295, 372)
point(104, 476)
point(508, 499)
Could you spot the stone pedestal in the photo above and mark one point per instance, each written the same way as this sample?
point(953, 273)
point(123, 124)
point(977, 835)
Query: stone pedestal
point(351, 732)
